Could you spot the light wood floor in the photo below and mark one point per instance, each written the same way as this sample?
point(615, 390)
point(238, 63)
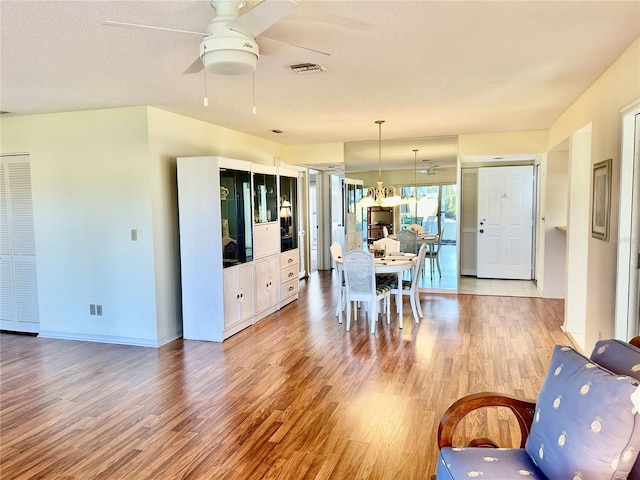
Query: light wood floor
point(294, 397)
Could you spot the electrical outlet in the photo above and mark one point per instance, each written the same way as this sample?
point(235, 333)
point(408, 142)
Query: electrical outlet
point(99, 310)
point(92, 309)
point(134, 235)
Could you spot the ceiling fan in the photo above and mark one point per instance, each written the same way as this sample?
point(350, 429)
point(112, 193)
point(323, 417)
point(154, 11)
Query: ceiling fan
point(429, 168)
point(231, 45)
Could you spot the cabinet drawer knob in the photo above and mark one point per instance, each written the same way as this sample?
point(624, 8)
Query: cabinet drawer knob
point(291, 288)
point(290, 274)
point(290, 260)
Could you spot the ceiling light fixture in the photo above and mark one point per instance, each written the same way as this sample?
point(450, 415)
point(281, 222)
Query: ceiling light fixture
point(380, 195)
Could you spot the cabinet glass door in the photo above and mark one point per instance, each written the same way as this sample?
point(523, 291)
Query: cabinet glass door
point(264, 198)
point(235, 209)
point(288, 209)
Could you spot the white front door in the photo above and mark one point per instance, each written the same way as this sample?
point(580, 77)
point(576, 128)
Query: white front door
point(505, 222)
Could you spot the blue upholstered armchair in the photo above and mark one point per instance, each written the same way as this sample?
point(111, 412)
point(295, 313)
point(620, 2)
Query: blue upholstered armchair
point(582, 426)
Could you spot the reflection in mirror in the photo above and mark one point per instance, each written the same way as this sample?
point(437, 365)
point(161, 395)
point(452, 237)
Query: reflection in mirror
point(424, 172)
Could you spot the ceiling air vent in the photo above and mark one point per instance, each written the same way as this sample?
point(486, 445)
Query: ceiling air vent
point(307, 68)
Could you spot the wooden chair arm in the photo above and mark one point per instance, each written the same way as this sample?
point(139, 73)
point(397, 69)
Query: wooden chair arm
point(635, 341)
point(522, 409)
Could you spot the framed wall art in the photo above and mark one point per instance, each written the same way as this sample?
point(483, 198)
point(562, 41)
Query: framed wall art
point(601, 200)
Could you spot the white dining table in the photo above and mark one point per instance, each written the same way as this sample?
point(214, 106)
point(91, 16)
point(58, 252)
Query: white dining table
point(397, 264)
point(430, 239)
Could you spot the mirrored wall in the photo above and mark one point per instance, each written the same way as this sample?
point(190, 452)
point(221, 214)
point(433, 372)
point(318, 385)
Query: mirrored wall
point(424, 172)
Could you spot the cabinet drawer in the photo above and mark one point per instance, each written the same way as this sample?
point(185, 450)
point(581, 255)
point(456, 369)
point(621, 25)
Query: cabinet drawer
point(289, 288)
point(289, 259)
point(288, 274)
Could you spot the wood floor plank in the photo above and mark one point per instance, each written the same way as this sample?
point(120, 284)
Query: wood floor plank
point(293, 397)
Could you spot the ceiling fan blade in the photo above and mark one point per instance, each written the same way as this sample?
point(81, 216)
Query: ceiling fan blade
point(195, 67)
point(290, 53)
point(255, 21)
point(112, 23)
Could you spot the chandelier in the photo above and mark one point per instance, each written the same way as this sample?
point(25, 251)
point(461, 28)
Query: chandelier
point(380, 195)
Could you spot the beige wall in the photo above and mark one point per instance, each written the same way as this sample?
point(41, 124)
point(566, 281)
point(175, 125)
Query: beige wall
point(600, 106)
point(315, 154)
point(530, 141)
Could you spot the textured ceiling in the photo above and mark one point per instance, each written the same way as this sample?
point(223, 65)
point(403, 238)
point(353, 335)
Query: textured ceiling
point(429, 68)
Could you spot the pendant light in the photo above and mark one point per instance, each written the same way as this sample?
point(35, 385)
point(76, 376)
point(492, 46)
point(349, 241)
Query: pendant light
point(380, 195)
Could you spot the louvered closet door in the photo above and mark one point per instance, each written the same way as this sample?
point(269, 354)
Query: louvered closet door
point(19, 286)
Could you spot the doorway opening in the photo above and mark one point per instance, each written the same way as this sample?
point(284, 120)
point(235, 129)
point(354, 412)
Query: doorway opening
point(627, 308)
point(313, 220)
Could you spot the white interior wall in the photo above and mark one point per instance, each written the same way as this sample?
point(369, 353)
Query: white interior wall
point(555, 213)
point(578, 231)
point(90, 181)
point(540, 245)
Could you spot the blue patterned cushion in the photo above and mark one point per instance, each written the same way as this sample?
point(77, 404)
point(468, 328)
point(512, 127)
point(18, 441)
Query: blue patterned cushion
point(621, 358)
point(585, 425)
point(617, 356)
point(486, 463)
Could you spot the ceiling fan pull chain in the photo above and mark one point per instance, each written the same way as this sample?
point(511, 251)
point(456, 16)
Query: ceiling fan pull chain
point(253, 77)
point(204, 72)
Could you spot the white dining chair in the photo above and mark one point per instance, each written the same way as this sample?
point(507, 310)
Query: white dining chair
point(434, 255)
point(411, 287)
point(408, 241)
point(336, 254)
point(385, 232)
point(389, 244)
point(430, 223)
point(360, 280)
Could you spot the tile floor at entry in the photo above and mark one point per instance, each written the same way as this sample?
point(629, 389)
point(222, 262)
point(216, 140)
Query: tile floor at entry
point(472, 285)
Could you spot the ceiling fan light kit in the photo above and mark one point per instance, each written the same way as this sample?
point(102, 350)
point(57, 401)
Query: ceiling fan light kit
point(230, 44)
point(229, 56)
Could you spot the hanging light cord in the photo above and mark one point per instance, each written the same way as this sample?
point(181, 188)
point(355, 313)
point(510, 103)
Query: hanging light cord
point(380, 122)
point(204, 70)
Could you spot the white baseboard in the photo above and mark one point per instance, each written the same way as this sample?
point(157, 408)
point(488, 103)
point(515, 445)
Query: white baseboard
point(140, 342)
